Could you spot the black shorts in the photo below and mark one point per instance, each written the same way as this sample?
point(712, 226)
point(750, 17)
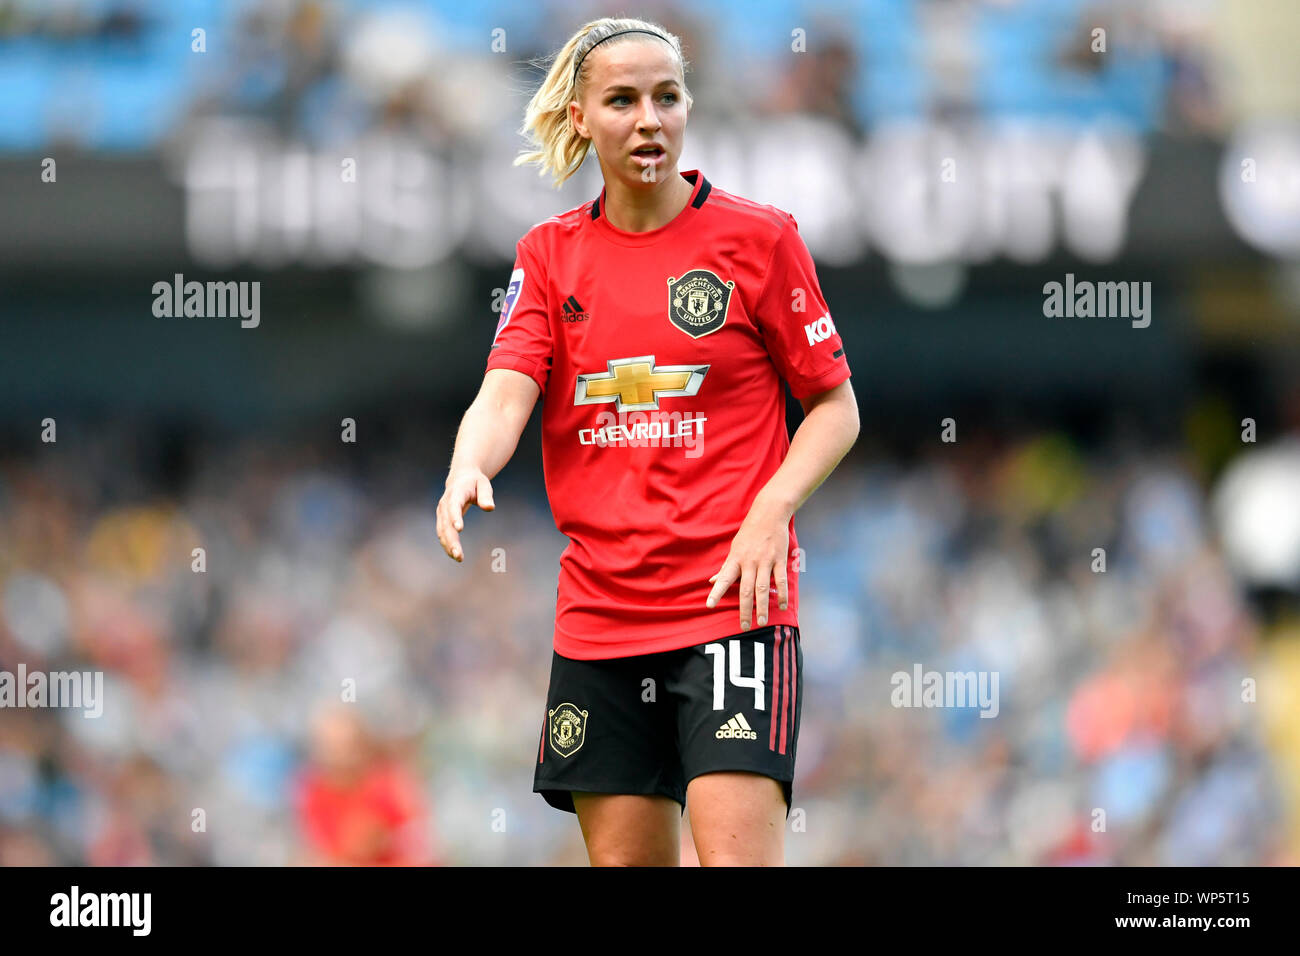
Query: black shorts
point(650, 724)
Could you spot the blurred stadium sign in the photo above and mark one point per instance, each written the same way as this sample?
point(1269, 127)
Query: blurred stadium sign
point(916, 194)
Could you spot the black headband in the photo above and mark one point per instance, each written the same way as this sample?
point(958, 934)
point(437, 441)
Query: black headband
point(653, 33)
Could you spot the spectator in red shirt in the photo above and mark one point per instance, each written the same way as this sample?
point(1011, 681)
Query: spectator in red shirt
point(355, 805)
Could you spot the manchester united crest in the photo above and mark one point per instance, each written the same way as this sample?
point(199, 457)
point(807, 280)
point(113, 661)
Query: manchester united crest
point(567, 729)
point(697, 302)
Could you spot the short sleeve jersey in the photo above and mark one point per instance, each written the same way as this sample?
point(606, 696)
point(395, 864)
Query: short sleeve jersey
point(660, 357)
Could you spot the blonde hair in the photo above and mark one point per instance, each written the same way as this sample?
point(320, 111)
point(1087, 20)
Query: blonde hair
point(556, 145)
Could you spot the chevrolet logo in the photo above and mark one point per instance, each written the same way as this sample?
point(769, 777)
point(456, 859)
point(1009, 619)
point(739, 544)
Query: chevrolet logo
point(636, 385)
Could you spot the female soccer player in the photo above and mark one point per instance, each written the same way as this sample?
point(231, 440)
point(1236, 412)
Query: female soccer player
point(657, 321)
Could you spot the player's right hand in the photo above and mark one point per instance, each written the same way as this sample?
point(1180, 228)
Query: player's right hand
point(466, 487)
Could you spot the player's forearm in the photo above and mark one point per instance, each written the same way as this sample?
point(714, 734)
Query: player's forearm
point(819, 444)
point(488, 436)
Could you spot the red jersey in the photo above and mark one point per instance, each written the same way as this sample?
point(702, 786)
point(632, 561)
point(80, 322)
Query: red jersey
point(377, 821)
point(660, 356)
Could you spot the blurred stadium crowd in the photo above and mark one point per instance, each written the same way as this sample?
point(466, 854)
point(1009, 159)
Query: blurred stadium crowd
point(1119, 690)
point(121, 75)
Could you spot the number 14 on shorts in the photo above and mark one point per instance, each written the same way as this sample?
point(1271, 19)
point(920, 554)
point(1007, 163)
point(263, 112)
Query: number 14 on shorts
point(718, 651)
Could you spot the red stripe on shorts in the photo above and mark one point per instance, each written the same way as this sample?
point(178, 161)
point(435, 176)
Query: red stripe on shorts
point(776, 687)
point(786, 647)
point(794, 681)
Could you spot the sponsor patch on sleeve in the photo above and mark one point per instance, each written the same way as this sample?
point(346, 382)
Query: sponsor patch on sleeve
point(512, 296)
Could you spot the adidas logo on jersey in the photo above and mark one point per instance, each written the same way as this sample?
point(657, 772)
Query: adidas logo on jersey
point(573, 311)
point(821, 330)
point(736, 728)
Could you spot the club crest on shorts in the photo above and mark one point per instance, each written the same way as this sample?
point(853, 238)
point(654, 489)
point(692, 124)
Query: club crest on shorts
point(567, 729)
point(697, 302)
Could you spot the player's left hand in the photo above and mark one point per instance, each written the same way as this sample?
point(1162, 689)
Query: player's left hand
point(759, 551)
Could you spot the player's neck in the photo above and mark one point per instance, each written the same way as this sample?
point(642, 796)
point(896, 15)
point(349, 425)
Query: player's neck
point(641, 210)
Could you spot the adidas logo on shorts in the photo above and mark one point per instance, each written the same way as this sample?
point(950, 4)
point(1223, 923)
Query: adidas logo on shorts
point(738, 728)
